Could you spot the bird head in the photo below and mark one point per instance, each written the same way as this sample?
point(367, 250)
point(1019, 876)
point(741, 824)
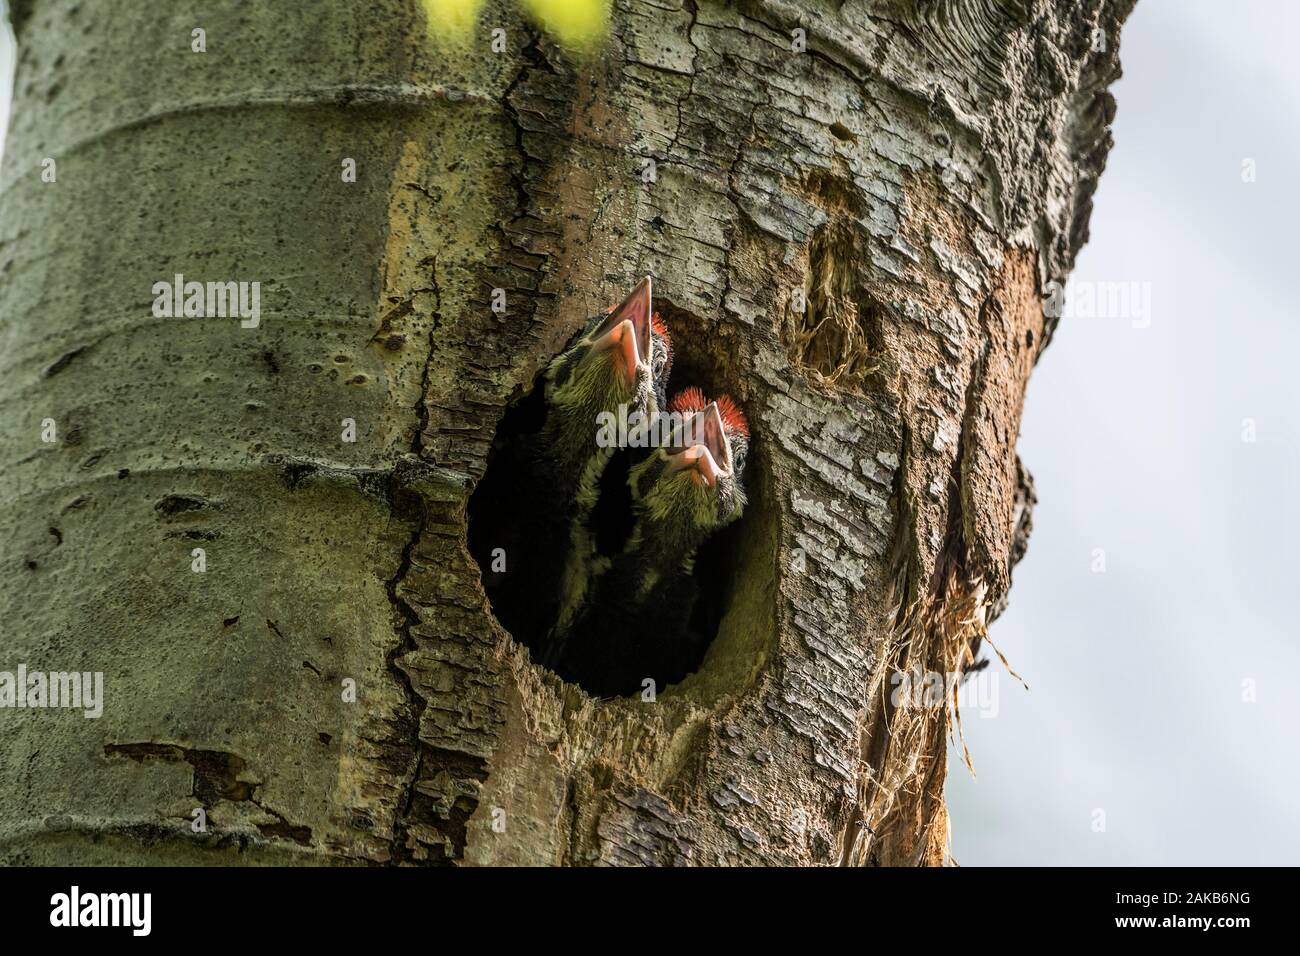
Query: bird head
point(696, 476)
point(623, 358)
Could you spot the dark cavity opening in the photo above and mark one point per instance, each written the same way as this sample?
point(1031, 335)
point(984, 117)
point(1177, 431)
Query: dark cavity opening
point(518, 535)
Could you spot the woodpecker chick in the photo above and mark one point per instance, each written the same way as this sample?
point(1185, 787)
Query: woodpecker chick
point(634, 623)
point(618, 366)
point(693, 483)
point(622, 359)
point(687, 489)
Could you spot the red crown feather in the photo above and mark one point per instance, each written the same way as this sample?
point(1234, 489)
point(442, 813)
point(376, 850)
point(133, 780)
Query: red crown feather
point(688, 400)
point(661, 330)
point(733, 419)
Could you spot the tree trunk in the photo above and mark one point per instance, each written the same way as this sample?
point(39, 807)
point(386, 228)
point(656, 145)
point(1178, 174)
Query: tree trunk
point(852, 238)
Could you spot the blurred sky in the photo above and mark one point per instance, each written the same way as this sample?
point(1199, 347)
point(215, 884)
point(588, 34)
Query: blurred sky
point(1134, 436)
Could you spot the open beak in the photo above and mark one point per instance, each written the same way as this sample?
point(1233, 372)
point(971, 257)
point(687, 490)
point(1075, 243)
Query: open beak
point(708, 453)
point(626, 333)
point(621, 341)
point(715, 438)
point(699, 461)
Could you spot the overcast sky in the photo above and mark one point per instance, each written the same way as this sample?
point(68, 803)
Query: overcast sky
point(1134, 433)
point(1134, 436)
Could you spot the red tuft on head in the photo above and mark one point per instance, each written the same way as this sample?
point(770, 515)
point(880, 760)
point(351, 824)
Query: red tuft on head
point(733, 419)
point(688, 400)
point(661, 330)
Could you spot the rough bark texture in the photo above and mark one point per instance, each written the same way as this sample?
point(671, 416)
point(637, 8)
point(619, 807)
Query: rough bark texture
point(919, 173)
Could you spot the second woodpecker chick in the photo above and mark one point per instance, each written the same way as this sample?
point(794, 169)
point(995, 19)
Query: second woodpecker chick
point(635, 621)
point(691, 487)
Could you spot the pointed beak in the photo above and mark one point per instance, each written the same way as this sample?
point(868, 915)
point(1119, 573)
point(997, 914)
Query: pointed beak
point(700, 463)
point(715, 438)
point(704, 447)
point(626, 332)
point(621, 341)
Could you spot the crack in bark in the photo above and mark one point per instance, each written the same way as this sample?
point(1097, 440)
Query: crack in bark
point(409, 726)
point(690, 86)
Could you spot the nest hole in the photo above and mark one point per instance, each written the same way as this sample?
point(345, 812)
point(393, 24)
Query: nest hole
point(520, 550)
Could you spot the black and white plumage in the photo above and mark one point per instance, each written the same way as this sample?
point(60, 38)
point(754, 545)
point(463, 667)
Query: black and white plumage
point(634, 618)
point(617, 364)
point(620, 361)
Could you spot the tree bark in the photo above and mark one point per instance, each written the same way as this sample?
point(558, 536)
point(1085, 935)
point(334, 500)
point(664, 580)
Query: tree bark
point(916, 176)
